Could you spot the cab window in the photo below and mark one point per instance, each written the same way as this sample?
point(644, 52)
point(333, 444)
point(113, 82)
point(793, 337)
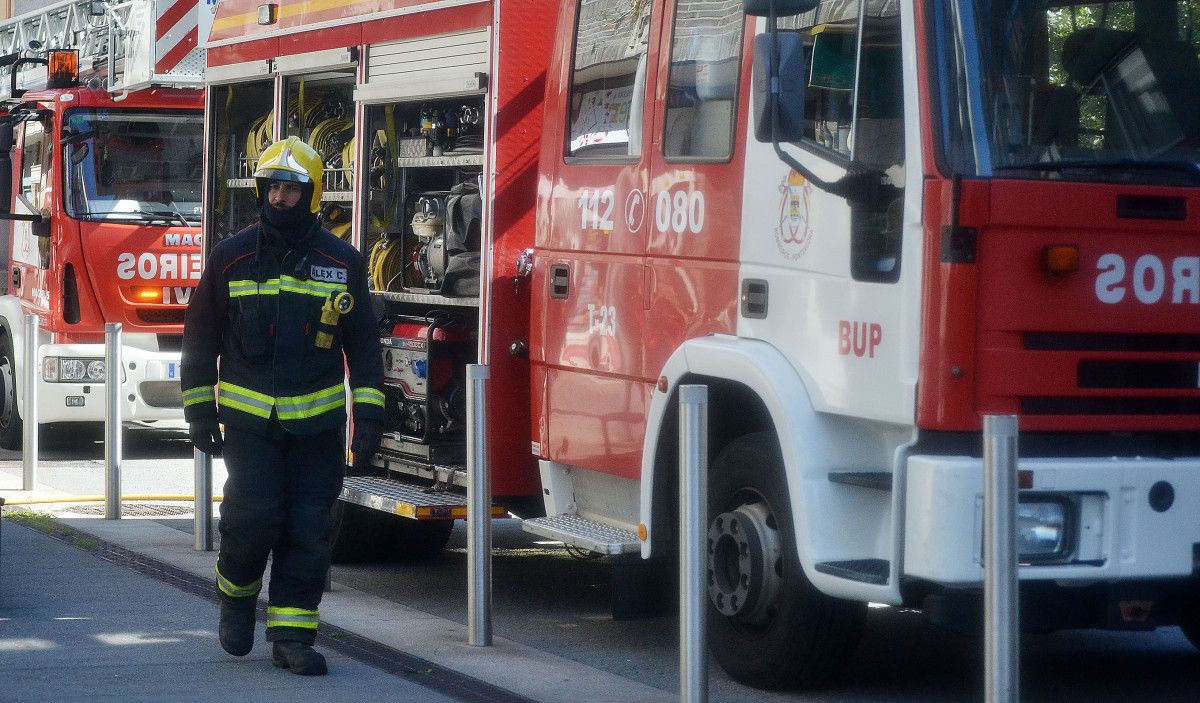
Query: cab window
point(701, 109)
point(35, 163)
point(854, 97)
point(608, 79)
point(855, 113)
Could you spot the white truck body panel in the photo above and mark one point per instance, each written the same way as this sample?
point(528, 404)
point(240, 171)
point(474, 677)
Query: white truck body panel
point(1119, 535)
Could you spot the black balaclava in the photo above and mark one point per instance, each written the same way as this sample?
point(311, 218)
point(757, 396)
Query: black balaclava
point(291, 225)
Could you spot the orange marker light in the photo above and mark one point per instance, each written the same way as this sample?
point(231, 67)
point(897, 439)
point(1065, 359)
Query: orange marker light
point(147, 295)
point(63, 68)
point(1060, 258)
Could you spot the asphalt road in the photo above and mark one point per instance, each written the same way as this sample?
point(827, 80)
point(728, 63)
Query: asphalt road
point(545, 598)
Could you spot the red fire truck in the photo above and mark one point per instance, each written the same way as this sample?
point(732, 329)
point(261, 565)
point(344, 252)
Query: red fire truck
point(100, 203)
point(863, 225)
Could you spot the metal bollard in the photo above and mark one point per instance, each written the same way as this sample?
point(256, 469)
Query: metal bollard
point(29, 441)
point(112, 420)
point(1001, 607)
point(693, 531)
point(202, 521)
point(479, 512)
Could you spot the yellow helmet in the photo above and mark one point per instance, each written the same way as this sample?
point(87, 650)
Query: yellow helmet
point(291, 160)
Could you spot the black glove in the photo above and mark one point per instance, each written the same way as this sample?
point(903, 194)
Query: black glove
point(206, 436)
point(365, 443)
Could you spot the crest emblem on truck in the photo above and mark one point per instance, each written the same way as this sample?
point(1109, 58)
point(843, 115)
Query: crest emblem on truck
point(794, 233)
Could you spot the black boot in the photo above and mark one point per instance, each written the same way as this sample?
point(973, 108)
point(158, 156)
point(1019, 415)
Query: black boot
point(299, 658)
point(237, 625)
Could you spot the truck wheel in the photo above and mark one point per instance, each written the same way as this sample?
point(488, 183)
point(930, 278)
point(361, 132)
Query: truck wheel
point(769, 626)
point(360, 534)
point(418, 540)
point(10, 416)
point(1189, 619)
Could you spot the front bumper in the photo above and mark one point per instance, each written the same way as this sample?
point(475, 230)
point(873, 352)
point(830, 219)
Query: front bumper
point(150, 387)
point(1116, 535)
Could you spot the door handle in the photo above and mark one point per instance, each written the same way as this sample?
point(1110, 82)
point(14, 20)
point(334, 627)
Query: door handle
point(560, 281)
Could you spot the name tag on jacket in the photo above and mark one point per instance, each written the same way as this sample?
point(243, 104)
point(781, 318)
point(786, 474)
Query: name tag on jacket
point(328, 274)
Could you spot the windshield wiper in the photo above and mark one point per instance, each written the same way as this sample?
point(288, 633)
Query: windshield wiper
point(1187, 167)
point(145, 216)
point(73, 138)
point(163, 215)
point(182, 217)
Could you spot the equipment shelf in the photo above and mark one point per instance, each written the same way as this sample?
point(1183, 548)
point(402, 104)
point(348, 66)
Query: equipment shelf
point(428, 299)
point(447, 160)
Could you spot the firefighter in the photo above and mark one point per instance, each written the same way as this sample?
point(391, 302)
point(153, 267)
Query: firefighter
point(281, 313)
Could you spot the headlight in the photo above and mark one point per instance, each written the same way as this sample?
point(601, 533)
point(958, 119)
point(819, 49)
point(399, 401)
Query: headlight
point(67, 369)
point(71, 370)
point(1041, 529)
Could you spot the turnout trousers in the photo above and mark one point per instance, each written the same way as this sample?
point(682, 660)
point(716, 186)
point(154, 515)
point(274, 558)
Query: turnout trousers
point(277, 503)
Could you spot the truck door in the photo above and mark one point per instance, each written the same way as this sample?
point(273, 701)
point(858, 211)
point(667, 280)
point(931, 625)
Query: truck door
point(590, 267)
point(842, 302)
point(31, 253)
point(694, 200)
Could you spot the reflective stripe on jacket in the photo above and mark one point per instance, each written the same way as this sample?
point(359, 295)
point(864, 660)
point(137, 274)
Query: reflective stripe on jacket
point(256, 316)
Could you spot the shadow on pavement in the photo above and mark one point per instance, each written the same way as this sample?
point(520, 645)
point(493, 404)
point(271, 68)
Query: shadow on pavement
point(82, 441)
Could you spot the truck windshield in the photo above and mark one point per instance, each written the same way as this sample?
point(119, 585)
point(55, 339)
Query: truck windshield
point(1104, 91)
point(133, 166)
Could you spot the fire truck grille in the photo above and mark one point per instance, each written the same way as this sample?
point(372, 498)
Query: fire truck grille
point(1116, 376)
point(161, 394)
point(170, 342)
point(1163, 343)
point(160, 316)
point(1139, 374)
point(1110, 406)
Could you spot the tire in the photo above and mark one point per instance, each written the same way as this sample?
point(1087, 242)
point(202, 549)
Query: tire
point(1189, 619)
point(359, 534)
point(418, 540)
point(10, 416)
point(783, 633)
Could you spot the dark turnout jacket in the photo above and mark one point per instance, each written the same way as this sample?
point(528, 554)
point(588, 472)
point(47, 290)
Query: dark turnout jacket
point(250, 348)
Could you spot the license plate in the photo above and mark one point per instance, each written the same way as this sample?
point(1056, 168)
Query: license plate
point(172, 370)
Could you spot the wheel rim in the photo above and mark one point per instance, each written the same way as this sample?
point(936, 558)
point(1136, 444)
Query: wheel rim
point(744, 563)
point(8, 411)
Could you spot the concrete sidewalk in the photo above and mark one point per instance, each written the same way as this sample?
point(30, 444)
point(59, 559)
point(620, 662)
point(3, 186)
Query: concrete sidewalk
point(173, 633)
point(74, 627)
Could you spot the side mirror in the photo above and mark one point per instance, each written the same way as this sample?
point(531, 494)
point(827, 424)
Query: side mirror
point(39, 223)
point(6, 137)
point(79, 153)
point(783, 8)
point(789, 102)
point(13, 90)
point(40, 227)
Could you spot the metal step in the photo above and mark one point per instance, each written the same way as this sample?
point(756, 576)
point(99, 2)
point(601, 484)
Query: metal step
point(863, 570)
point(585, 534)
point(408, 500)
point(879, 480)
point(445, 474)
